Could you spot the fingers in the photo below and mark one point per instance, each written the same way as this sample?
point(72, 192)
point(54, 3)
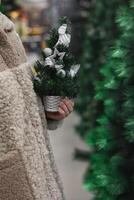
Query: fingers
point(63, 108)
point(69, 104)
point(66, 106)
point(56, 115)
point(62, 113)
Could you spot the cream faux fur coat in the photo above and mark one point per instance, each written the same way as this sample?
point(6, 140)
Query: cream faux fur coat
point(27, 167)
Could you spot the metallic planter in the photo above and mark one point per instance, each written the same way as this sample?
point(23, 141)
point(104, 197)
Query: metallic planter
point(51, 103)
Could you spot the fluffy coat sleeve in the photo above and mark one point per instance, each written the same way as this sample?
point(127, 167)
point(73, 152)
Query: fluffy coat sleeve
point(24, 144)
point(27, 167)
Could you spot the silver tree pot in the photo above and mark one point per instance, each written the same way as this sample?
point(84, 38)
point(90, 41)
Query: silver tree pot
point(52, 103)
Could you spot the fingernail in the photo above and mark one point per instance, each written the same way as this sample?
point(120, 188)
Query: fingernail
point(61, 111)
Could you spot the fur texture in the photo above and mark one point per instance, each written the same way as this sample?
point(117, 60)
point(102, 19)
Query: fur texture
point(27, 166)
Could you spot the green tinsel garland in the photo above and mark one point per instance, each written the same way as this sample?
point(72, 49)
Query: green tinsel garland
point(112, 166)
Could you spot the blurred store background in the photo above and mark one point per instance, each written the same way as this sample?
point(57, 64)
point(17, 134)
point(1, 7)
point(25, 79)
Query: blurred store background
point(94, 149)
point(34, 18)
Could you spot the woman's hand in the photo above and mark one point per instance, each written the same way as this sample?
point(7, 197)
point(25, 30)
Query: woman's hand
point(65, 108)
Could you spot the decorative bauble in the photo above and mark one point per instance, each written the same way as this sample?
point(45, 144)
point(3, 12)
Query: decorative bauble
point(64, 37)
point(57, 54)
point(74, 70)
point(49, 62)
point(61, 73)
point(48, 51)
point(58, 67)
point(62, 30)
point(71, 73)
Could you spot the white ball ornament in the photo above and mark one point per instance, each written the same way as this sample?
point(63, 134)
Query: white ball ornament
point(48, 51)
point(61, 73)
point(58, 67)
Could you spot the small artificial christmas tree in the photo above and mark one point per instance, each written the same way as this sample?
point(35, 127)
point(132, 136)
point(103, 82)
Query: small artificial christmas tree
point(111, 175)
point(57, 74)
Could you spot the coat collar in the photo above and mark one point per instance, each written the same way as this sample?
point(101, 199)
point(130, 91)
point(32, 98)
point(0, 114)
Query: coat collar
point(11, 49)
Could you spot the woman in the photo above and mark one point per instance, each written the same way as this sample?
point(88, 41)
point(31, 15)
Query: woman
point(27, 167)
